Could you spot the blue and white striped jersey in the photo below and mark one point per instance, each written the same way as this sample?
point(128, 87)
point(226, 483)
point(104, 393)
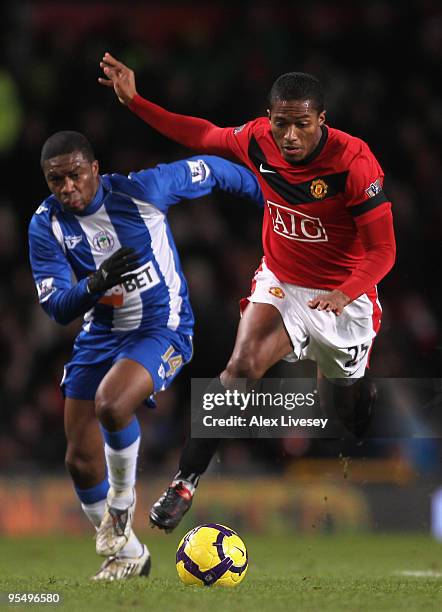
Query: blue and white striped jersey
point(127, 211)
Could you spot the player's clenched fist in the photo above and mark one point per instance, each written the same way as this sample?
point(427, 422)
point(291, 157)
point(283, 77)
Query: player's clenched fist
point(114, 270)
point(335, 301)
point(118, 76)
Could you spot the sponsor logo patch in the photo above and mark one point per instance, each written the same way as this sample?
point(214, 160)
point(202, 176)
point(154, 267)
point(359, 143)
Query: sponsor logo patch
point(113, 297)
point(294, 225)
point(374, 188)
point(42, 208)
point(319, 189)
point(146, 278)
point(45, 288)
point(103, 241)
point(239, 129)
point(264, 170)
point(277, 292)
point(72, 241)
point(199, 170)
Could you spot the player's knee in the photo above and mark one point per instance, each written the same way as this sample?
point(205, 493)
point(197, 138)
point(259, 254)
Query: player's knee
point(108, 411)
point(243, 366)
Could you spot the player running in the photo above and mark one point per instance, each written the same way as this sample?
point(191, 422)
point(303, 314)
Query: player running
point(327, 237)
point(111, 233)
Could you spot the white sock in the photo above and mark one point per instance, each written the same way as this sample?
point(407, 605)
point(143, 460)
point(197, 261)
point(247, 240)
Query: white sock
point(95, 512)
point(122, 498)
point(122, 466)
point(132, 548)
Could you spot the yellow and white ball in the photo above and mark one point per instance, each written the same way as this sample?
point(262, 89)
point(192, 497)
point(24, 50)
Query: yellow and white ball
point(210, 555)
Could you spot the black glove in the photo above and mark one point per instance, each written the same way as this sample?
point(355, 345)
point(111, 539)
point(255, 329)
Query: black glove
point(111, 271)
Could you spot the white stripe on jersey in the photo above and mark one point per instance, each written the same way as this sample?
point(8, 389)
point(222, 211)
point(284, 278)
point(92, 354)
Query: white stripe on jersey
point(58, 232)
point(88, 319)
point(155, 222)
point(129, 316)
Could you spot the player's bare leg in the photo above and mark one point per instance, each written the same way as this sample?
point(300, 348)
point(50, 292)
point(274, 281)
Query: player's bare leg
point(119, 395)
point(85, 462)
point(84, 459)
point(261, 341)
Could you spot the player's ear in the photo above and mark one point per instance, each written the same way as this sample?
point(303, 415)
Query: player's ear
point(269, 114)
point(95, 168)
point(321, 117)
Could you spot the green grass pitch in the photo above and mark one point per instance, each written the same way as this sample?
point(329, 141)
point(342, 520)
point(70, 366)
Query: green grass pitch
point(318, 573)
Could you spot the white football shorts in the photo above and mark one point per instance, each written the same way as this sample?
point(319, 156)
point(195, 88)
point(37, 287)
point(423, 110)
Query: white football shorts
point(339, 345)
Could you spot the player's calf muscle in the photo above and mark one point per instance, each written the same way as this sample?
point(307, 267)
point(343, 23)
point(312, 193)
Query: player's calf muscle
point(243, 365)
point(85, 470)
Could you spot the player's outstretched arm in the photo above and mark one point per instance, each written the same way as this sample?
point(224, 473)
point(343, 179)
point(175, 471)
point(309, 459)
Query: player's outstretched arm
point(191, 132)
point(232, 178)
point(168, 184)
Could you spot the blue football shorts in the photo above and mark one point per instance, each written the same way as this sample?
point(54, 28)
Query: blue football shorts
point(162, 352)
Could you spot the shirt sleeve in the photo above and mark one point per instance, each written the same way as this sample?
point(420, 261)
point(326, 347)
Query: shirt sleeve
point(377, 237)
point(366, 199)
point(168, 184)
point(52, 273)
point(193, 132)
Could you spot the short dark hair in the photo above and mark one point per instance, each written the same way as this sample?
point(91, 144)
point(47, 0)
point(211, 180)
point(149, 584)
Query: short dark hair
point(298, 86)
point(64, 142)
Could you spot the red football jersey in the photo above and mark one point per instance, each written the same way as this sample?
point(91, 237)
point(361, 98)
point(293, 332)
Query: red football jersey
point(327, 222)
point(309, 231)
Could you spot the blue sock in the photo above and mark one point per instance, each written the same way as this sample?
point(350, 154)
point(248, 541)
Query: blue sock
point(123, 438)
point(93, 501)
point(94, 494)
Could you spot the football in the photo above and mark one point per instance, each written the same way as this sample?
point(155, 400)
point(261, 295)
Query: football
point(210, 555)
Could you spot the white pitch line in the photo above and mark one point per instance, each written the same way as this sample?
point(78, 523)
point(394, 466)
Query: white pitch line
point(420, 573)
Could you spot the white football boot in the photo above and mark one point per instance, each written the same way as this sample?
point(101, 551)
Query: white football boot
point(121, 568)
point(115, 528)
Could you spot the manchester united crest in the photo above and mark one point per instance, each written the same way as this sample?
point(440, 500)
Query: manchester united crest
point(319, 189)
point(277, 292)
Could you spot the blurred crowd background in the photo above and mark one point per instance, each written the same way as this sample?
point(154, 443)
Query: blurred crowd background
point(379, 63)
